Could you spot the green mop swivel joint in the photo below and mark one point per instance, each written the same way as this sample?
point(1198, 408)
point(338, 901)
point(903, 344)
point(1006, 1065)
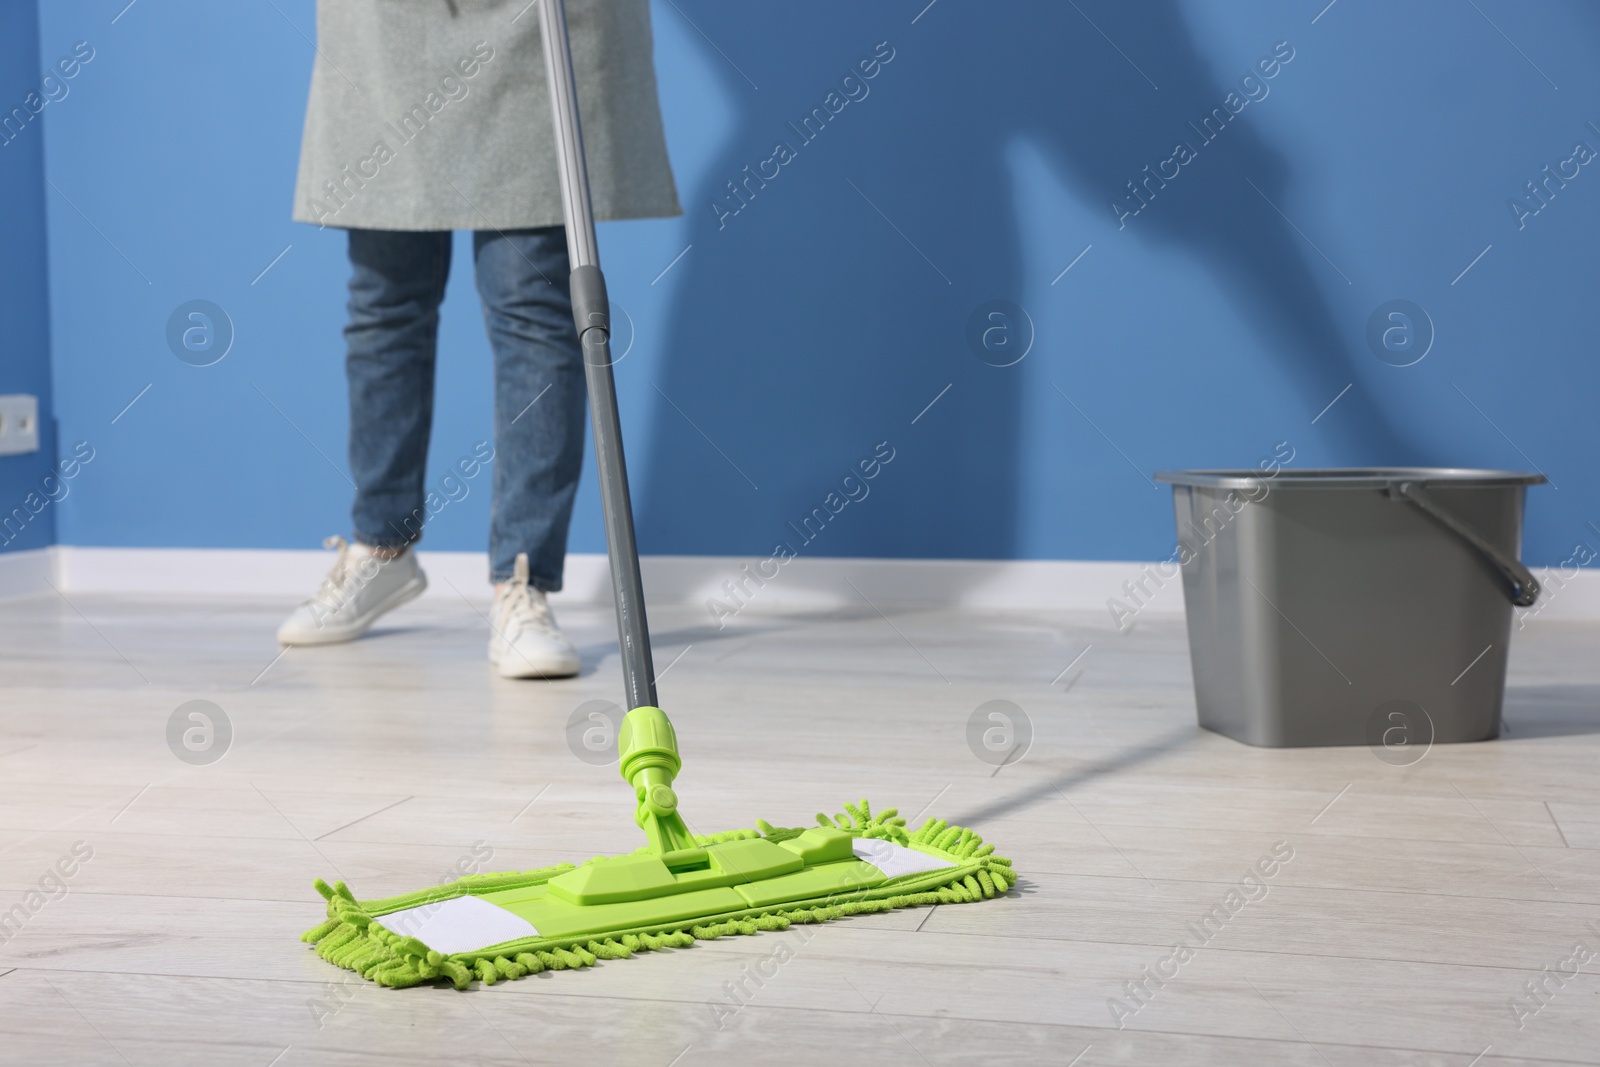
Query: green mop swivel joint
point(649, 751)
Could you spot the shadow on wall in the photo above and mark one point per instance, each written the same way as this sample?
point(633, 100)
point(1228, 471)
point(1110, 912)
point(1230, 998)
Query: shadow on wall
point(805, 284)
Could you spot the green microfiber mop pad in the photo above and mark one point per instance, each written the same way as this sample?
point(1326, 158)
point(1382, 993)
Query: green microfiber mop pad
point(957, 868)
point(678, 888)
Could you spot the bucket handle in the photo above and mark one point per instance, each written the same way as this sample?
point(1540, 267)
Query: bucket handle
point(1524, 588)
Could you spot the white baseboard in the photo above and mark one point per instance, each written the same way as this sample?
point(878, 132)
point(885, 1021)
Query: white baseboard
point(27, 572)
point(1057, 585)
point(817, 583)
point(1564, 598)
point(1064, 585)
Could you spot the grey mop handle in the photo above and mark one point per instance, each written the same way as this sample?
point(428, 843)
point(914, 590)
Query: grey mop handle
point(592, 314)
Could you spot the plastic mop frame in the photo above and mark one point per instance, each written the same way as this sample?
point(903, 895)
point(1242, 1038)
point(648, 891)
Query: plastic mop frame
point(680, 886)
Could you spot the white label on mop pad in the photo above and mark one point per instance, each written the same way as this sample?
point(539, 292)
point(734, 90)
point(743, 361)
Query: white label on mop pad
point(894, 860)
point(460, 924)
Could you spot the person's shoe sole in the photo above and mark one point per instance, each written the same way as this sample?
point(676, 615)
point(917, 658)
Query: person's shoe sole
point(514, 665)
point(337, 636)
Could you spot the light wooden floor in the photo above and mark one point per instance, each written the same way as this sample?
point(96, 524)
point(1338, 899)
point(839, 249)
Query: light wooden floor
point(1418, 902)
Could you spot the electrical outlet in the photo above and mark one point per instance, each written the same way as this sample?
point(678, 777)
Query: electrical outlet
point(19, 424)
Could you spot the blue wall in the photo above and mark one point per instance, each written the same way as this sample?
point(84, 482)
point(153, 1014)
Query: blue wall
point(25, 498)
point(826, 314)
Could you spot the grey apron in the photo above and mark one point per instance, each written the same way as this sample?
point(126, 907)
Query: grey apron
point(433, 115)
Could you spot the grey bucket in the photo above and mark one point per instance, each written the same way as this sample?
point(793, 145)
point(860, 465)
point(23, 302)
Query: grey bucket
point(1351, 606)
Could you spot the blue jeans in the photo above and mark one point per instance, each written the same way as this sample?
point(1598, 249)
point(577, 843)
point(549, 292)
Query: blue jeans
point(396, 285)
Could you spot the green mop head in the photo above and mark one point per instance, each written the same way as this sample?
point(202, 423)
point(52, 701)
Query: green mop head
point(677, 889)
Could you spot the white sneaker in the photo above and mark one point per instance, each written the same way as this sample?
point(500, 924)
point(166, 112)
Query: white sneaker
point(360, 588)
point(524, 640)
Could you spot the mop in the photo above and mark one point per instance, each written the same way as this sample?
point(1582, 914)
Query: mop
point(680, 886)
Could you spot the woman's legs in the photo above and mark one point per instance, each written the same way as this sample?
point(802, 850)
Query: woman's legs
point(539, 399)
point(396, 284)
